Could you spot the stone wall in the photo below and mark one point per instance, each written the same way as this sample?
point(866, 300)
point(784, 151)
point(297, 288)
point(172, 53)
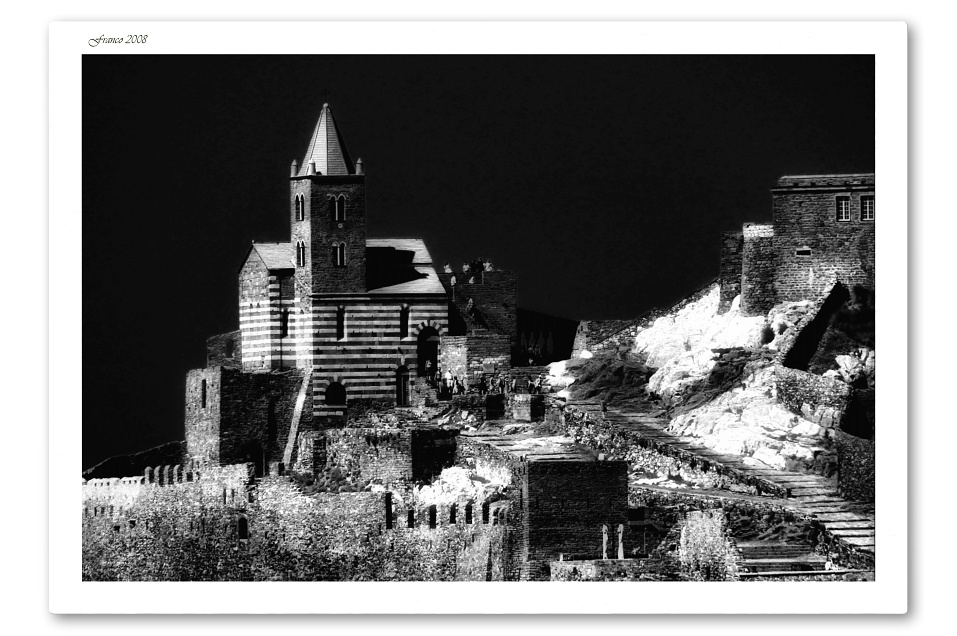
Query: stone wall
point(526, 407)
point(225, 350)
point(732, 247)
point(757, 269)
point(811, 245)
point(856, 466)
point(206, 485)
point(243, 416)
point(325, 232)
point(814, 397)
point(493, 295)
point(564, 505)
point(383, 456)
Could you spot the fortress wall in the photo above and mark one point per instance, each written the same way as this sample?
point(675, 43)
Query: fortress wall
point(732, 249)
point(757, 269)
point(208, 485)
point(202, 420)
point(246, 416)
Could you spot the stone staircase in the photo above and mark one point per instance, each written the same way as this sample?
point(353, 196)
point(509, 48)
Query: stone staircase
point(849, 522)
point(768, 556)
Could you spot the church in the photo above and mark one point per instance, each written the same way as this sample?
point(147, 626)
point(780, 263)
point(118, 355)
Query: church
point(333, 318)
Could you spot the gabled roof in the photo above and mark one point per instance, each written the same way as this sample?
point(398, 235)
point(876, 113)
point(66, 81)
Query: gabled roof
point(274, 255)
point(400, 266)
point(327, 149)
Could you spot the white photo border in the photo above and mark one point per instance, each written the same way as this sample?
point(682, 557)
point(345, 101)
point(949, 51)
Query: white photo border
point(69, 41)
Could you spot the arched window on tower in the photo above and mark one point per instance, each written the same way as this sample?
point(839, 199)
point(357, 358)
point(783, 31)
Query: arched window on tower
point(300, 254)
point(339, 254)
point(203, 392)
point(300, 207)
point(339, 208)
point(284, 323)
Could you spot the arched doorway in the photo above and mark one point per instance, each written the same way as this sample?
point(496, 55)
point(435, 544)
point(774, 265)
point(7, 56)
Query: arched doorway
point(336, 394)
point(427, 350)
point(402, 386)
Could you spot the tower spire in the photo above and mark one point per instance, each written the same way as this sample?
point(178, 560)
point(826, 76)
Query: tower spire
point(327, 149)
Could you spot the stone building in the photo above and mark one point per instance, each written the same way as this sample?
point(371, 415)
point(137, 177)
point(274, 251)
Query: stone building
point(822, 232)
point(338, 318)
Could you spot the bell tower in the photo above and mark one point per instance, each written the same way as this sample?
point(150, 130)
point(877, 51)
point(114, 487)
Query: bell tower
point(327, 206)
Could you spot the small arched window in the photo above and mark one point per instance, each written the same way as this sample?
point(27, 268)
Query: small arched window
point(243, 529)
point(339, 208)
point(340, 323)
point(203, 392)
point(230, 348)
point(284, 323)
point(404, 322)
point(300, 254)
point(300, 207)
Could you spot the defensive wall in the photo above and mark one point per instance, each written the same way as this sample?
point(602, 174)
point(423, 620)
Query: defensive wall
point(232, 416)
point(204, 484)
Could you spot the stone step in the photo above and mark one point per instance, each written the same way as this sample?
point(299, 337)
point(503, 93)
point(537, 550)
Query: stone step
point(849, 525)
point(852, 532)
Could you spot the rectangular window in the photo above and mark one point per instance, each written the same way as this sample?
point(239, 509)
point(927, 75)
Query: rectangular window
point(806, 251)
point(867, 208)
point(843, 208)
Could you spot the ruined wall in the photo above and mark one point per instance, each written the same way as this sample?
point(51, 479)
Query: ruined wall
point(493, 295)
point(732, 248)
point(757, 269)
point(526, 407)
point(383, 456)
point(856, 466)
point(811, 245)
point(819, 399)
point(225, 350)
point(564, 506)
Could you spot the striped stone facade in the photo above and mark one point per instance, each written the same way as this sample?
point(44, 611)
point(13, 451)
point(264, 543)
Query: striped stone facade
point(266, 315)
point(367, 360)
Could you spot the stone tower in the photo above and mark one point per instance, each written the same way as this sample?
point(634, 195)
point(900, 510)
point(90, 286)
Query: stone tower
point(327, 206)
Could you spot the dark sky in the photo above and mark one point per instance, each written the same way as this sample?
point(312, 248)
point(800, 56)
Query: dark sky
point(604, 182)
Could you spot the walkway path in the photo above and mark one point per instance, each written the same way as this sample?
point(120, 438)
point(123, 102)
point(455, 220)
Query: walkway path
point(813, 495)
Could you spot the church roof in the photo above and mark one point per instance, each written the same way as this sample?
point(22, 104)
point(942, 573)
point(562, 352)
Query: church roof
point(400, 266)
point(327, 149)
point(274, 255)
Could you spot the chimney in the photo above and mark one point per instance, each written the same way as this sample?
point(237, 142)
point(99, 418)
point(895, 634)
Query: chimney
point(294, 168)
point(311, 170)
point(359, 168)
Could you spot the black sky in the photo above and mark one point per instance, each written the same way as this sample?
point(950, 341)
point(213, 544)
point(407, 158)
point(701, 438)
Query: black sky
point(604, 182)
